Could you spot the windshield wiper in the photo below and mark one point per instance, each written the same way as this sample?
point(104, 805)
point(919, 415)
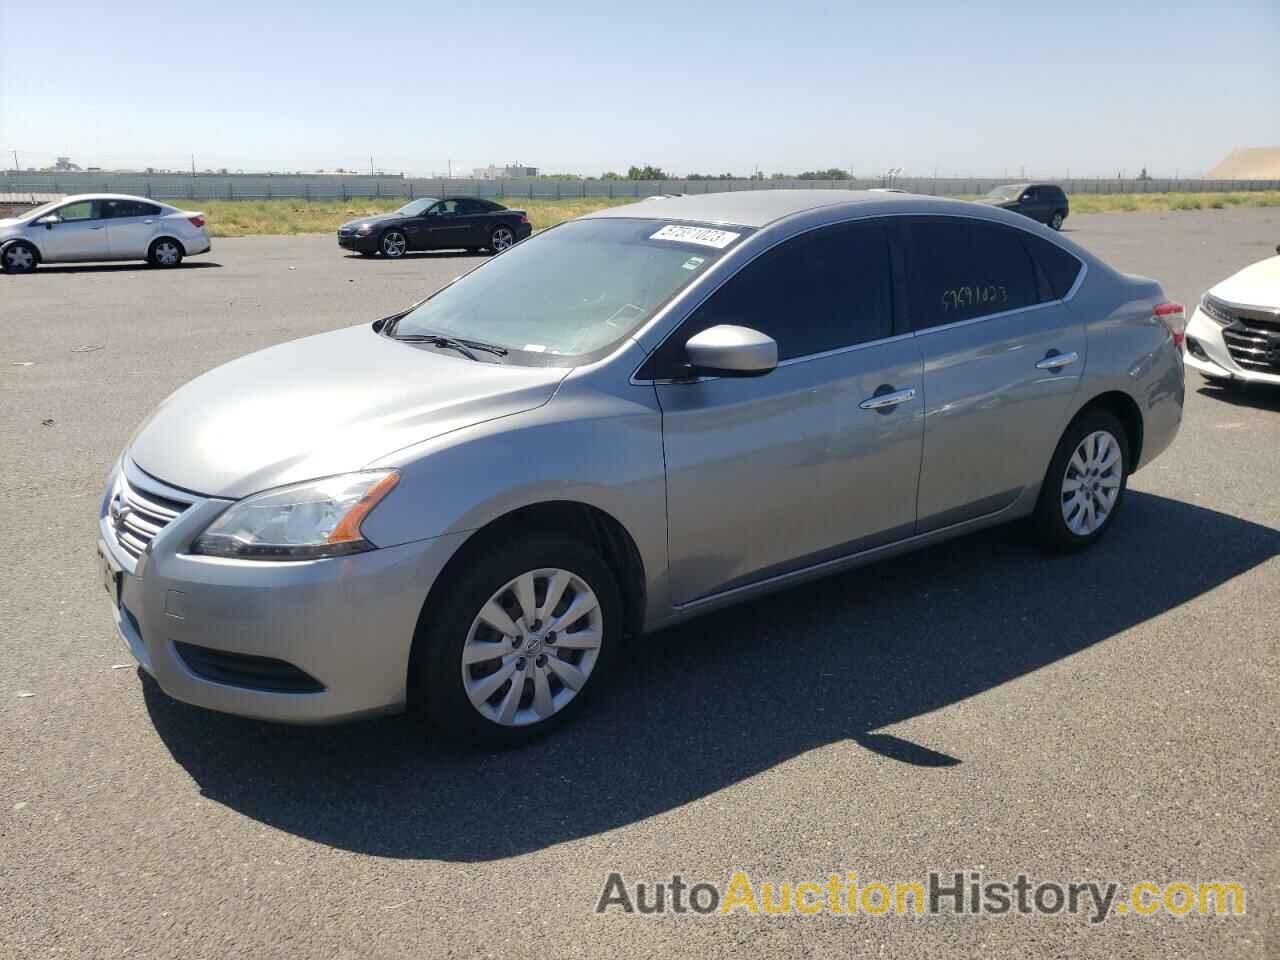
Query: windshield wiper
point(464, 347)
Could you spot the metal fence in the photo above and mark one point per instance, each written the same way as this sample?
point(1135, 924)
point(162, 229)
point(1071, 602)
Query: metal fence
point(238, 187)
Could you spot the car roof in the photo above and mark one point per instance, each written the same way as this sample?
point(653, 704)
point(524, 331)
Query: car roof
point(753, 208)
point(112, 196)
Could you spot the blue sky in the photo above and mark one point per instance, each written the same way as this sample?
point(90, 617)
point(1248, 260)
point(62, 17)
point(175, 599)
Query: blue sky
point(976, 88)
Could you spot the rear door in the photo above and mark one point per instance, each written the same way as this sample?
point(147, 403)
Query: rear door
point(767, 475)
point(80, 233)
point(1003, 355)
point(131, 225)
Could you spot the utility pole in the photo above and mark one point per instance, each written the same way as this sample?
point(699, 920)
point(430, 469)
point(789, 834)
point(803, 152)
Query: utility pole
point(15, 161)
point(193, 166)
point(450, 163)
point(371, 166)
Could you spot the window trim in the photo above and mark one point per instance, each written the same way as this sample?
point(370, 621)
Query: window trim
point(897, 264)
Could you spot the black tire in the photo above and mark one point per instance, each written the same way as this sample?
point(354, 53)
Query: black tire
point(1050, 516)
point(165, 252)
point(393, 244)
point(446, 621)
point(1056, 221)
point(19, 257)
point(501, 238)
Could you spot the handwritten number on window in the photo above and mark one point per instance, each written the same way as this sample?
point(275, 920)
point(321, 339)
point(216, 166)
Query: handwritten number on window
point(966, 298)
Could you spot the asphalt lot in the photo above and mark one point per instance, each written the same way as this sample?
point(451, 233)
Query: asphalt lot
point(977, 706)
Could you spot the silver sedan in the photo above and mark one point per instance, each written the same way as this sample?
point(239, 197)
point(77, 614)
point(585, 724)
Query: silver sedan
point(627, 420)
point(104, 226)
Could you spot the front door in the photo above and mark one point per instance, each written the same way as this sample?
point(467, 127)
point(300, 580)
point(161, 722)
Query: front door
point(80, 235)
point(815, 460)
point(445, 226)
point(1002, 360)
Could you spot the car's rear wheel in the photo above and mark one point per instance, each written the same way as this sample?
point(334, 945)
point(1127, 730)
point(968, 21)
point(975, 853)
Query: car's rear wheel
point(394, 244)
point(501, 239)
point(1085, 484)
point(515, 640)
point(165, 252)
point(19, 257)
point(1057, 219)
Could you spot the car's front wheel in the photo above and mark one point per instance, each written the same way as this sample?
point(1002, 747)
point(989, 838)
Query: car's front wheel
point(511, 644)
point(501, 239)
point(165, 253)
point(19, 257)
point(394, 244)
point(1085, 483)
point(1057, 219)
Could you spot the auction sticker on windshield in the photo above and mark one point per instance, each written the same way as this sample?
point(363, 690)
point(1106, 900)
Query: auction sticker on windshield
point(705, 236)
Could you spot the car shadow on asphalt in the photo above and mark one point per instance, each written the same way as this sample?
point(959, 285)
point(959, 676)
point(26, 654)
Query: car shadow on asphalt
point(1261, 396)
point(53, 269)
point(420, 255)
point(704, 705)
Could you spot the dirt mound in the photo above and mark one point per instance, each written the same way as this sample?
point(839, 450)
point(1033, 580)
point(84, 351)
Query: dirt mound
point(1248, 163)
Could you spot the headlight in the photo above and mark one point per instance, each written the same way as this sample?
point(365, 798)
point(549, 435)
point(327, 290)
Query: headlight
point(364, 229)
point(303, 521)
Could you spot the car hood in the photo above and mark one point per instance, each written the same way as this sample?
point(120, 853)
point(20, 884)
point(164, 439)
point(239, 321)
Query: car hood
point(376, 218)
point(320, 406)
point(1257, 285)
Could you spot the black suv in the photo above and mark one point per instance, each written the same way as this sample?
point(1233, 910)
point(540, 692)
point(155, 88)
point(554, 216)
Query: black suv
point(1040, 201)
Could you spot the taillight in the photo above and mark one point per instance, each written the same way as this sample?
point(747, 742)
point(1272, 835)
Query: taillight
point(524, 218)
point(1173, 317)
point(196, 221)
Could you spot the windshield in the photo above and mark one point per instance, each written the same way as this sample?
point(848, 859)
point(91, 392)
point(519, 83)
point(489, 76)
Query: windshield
point(415, 208)
point(44, 208)
point(1005, 193)
point(574, 291)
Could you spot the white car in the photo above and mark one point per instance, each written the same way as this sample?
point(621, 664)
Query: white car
point(101, 226)
point(1234, 335)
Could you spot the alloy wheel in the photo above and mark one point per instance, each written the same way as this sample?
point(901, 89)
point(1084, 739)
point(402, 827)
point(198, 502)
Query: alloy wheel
point(394, 244)
point(502, 238)
point(1091, 484)
point(1056, 223)
point(532, 647)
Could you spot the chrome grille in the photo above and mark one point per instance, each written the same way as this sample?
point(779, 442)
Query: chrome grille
point(1253, 348)
point(138, 511)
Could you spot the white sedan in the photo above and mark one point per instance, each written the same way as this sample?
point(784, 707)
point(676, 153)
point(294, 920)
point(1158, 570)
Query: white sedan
point(1234, 335)
point(105, 226)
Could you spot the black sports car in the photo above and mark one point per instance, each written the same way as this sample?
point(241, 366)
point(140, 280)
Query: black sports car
point(455, 223)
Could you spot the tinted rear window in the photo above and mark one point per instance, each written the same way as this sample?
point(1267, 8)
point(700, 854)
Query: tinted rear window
point(960, 269)
point(1059, 268)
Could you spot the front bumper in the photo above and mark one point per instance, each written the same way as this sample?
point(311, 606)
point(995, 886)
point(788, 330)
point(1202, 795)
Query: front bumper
point(365, 244)
point(347, 622)
point(1206, 352)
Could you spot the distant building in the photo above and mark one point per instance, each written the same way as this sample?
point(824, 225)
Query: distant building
point(510, 170)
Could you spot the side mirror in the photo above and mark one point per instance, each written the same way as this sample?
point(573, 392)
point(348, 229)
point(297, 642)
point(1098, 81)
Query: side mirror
point(731, 351)
point(50, 220)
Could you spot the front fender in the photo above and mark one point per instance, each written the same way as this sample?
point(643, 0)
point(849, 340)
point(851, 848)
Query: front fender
point(584, 446)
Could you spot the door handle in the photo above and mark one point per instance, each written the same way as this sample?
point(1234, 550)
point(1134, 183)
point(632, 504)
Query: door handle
point(98, 227)
point(1057, 360)
point(885, 400)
